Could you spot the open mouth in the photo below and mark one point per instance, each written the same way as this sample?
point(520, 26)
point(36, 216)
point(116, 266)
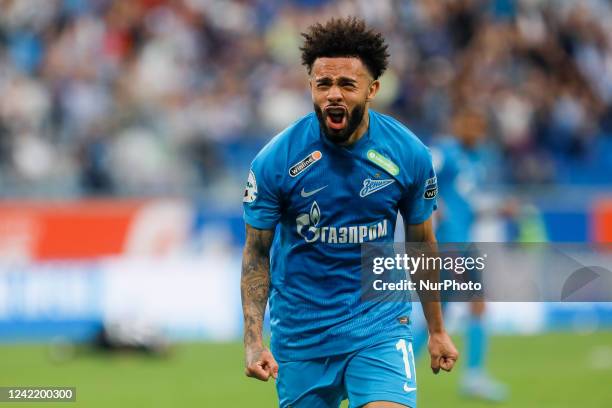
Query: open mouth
point(336, 117)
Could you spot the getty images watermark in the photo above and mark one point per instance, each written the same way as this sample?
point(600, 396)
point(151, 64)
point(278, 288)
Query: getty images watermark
point(496, 272)
point(428, 263)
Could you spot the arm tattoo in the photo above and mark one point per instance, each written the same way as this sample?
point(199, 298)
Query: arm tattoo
point(255, 282)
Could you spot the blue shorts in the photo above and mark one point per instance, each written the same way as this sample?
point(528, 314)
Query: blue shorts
point(382, 372)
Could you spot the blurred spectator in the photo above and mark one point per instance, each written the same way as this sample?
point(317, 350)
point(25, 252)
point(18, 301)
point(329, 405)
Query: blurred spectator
point(175, 96)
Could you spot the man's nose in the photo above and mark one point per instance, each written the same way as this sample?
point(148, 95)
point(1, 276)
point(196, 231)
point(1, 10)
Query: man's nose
point(334, 94)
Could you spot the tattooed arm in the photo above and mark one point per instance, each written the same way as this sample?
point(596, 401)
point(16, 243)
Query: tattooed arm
point(254, 286)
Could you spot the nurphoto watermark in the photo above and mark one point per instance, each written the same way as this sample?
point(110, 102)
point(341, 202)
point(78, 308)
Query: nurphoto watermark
point(495, 272)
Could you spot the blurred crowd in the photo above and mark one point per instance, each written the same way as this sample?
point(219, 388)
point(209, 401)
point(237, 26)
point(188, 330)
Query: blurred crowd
point(176, 96)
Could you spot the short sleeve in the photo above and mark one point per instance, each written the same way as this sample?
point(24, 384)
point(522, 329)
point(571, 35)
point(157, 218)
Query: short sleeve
point(261, 201)
point(419, 201)
point(438, 159)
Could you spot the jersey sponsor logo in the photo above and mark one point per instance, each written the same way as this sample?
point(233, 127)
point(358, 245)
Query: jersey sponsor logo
point(307, 224)
point(307, 194)
point(430, 193)
point(385, 163)
point(303, 164)
point(431, 188)
point(308, 228)
point(250, 191)
point(371, 186)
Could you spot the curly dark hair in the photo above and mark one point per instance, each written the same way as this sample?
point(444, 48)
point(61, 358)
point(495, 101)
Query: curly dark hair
point(345, 37)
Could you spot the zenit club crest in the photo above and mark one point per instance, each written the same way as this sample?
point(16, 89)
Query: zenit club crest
point(302, 165)
point(371, 186)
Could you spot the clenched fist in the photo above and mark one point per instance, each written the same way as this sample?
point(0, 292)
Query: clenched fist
point(260, 363)
point(442, 351)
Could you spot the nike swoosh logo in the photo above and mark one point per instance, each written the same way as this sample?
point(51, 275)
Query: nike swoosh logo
point(409, 389)
point(308, 194)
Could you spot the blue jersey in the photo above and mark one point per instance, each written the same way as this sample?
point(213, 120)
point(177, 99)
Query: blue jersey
point(328, 200)
point(461, 174)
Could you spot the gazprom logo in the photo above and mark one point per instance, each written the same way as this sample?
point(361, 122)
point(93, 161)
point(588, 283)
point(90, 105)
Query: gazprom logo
point(307, 224)
point(309, 229)
point(371, 186)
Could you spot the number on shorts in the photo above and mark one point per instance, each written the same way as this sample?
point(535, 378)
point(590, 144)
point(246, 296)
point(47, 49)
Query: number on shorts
point(401, 345)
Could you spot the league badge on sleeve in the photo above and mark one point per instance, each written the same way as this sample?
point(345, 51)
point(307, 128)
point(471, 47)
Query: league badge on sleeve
point(250, 191)
point(431, 188)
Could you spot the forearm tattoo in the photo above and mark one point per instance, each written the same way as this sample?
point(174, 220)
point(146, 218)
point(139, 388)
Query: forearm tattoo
point(255, 282)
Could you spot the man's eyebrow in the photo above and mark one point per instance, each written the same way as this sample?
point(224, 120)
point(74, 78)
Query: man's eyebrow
point(341, 79)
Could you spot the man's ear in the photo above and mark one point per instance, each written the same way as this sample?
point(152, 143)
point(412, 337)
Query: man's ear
point(373, 90)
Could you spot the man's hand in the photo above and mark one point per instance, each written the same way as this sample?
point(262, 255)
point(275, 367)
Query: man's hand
point(443, 352)
point(260, 363)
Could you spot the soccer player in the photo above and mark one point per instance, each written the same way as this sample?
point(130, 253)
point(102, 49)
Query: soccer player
point(333, 180)
point(461, 171)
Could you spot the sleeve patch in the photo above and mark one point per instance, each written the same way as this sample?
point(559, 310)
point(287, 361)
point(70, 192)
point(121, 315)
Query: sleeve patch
point(250, 191)
point(430, 193)
point(431, 188)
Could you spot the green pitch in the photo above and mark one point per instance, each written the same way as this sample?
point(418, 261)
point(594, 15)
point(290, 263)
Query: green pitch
point(554, 370)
